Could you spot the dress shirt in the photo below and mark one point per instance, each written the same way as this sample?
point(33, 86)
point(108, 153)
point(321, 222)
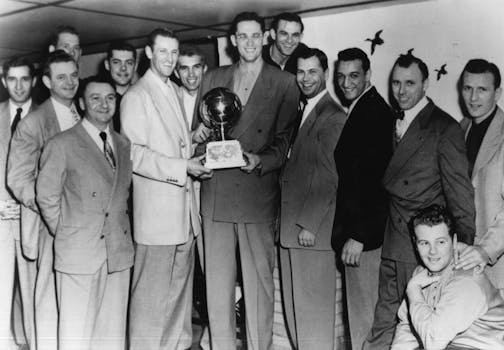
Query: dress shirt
point(67, 116)
point(13, 109)
point(354, 102)
point(189, 103)
point(410, 114)
point(462, 309)
point(94, 132)
point(310, 104)
point(475, 137)
point(244, 80)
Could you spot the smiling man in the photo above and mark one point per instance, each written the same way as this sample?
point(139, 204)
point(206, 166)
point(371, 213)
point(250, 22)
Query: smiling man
point(446, 308)
point(429, 166)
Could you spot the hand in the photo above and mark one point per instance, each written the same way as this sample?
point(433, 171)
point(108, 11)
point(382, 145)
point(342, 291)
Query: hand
point(350, 255)
point(196, 169)
point(9, 210)
point(471, 256)
point(253, 162)
point(306, 238)
point(201, 134)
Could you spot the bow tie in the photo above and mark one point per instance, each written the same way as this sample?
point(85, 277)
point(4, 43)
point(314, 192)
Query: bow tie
point(399, 114)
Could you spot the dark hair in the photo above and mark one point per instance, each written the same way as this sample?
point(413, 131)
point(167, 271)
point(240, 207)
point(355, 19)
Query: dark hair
point(93, 79)
point(246, 16)
point(57, 56)
point(190, 50)
point(162, 31)
point(288, 17)
point(405, 61)
point(479, 65)
point(60, 30)
point(313, 52)
point(120, 45)
point(352, 54)
point(18, 62)
point(432, 215)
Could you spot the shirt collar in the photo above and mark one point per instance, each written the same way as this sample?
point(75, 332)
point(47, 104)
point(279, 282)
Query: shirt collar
point(94, 132)
point(314, 100)
point(60, 107)
point(411, 113)
point(25, 106)
point(352, 105)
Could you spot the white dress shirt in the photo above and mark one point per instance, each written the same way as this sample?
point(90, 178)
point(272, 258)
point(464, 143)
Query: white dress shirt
point(67, 116)
point(13, 109)
point(189, 103)
point(94, 132)
point(310, 104)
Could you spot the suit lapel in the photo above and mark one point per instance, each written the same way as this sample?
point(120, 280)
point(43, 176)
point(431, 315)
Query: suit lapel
point(51, 124)
point(121, 161)
point(491, 142)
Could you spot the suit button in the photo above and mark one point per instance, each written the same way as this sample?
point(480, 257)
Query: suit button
point(106, 215)
point(94, 194)
point(102, 237)
point(406, 182)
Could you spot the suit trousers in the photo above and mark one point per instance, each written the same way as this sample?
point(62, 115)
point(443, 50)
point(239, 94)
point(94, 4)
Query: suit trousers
point(257, 255)
point(160, 312)
point(361, 285)
point(93, 310)
point(309, 296)
point(7, 261)
point(394, 277)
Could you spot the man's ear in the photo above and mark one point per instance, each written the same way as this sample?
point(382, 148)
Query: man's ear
point(176, 72)
point(46, 81)
point(52, 48)
point(107, 64)
point(34, 81)
point(81, 104)
point(205, 68)
point(272, 34)
point(4, 82)
point(148, 52)
point(233, 39)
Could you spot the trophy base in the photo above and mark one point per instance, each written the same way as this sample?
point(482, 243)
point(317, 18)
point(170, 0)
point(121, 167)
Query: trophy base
point(224, 154)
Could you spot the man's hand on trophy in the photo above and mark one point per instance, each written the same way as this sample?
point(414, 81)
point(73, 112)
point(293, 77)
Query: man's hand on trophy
point(201, 134)
point(197, 169)
point(253, 162)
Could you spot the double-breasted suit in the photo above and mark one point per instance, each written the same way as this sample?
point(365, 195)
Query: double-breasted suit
point(165, 214)
point(84, 202)
point(241, 208)
point(309, 184)
point(429, 166)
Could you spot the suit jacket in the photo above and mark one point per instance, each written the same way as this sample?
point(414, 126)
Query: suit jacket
point(309, 179)
point(488, 182)
point(429, 166)
point(164, 203)
point(264, 128)
point(30, 136)
point(84, 202)
point(362, 155)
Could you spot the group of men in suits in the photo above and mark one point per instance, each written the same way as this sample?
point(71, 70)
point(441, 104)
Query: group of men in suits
point(329, 178)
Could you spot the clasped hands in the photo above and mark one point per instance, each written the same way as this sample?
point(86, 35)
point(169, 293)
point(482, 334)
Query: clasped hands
point(9, 210)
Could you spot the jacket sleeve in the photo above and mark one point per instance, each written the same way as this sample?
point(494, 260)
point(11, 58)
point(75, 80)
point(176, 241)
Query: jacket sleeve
point(404, 339)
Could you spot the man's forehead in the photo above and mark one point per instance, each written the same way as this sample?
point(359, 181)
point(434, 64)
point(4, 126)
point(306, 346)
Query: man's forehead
point(101, 88)
point(18, 71)
point(309, 63)
point(290, 26)
point(66, 37)
point(166, 41)
point(122, 54)
point(190, 60)
point(350, 66)
point(68, 66)
point(413, 71)
point(483, 78)
point(249, 26)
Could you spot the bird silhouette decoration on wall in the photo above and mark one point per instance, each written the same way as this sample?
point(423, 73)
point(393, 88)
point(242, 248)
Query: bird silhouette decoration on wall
point(377, 40)
point(410, 52)
point(441, 71)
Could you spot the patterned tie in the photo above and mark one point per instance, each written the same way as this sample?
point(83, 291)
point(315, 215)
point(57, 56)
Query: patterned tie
point(16, 120)
point(75, 114)
point(107, 150)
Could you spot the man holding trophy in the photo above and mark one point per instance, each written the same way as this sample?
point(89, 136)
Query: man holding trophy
point(239, 203)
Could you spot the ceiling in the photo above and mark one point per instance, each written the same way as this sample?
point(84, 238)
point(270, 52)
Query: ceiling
point(26, 25)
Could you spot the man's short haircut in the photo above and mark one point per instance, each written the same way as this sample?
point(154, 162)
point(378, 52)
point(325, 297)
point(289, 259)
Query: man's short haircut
point(60, 30)
point(353, 54)
point(288, 17)
point(479, 66)
point(432, 215)
point(191, 50)
point(18, 62)
point(313, 52)
point(93, 79)
point(162, 31)
point(246, 16)
point(405, 61)
point(120, 45)
point(58, 56)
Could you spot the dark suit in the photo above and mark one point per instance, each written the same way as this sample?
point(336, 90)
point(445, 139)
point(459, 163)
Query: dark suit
point(429, 166)
point(362, 155)
point(241, 208)
point(309, 184)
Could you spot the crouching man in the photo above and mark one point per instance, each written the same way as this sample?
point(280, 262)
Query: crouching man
point(446, 308)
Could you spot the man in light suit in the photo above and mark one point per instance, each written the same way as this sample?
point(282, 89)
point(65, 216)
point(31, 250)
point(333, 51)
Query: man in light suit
point(309, 184)
point(55, 115)
point(429, 166)
point(362, 155)
point(480, 90)
point(82, 192)
point(165, 215)
point(239, 206)
point(18, 79)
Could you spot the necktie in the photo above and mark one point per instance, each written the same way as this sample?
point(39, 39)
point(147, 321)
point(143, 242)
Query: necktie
point(399, 114)
point(16, 120)
point(107, 150)
point(76, 116)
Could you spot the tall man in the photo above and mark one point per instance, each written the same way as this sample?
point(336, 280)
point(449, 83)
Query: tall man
point(165, 213)
point(309, 184)
point(286, 33)
point(82, 192)
point(480, 89)
point(120, 63)
point(239, 206)
point(55, 115)
point(362, 155)
point(429, 166)
point(18, 79)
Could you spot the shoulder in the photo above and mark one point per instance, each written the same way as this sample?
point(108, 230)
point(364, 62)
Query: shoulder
point(4, 106)
point(327, 105)
point(277, 75)
point(38, 116)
